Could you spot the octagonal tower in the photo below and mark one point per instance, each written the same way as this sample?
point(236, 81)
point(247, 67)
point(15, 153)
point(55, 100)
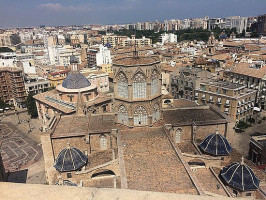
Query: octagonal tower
point(137, 90)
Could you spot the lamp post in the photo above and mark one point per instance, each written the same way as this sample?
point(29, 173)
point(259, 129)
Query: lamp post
point(17, 113)
point(30, 130)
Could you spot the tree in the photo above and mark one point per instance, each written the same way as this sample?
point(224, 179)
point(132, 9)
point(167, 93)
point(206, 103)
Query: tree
point(31, 106)
point(3, 105)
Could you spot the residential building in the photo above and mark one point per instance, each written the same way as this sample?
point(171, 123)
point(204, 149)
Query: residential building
point(251, 76)
point(257, 149)
point(98, 78)
point(12, 86)
point(38, 86)
point(167, 38)
point(233, 99)
point(240, 23)
point(184, 84)
point(57, 78)
point(103, 56)
point(8, 59)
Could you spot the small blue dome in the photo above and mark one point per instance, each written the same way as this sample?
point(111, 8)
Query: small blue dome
point(67, 183)
point(75, 81)
point(73, 60)
point(240, 176)
point(70, 159)
point(216, 145)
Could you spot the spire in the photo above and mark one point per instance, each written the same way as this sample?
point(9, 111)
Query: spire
point(80, 106)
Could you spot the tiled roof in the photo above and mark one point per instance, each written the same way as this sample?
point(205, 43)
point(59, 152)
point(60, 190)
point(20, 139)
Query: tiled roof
point(75, 81)
point(245, 69)
point(216, 144)
point(188, 116)
point(70, 159)
point(136, 61)
point(240, 176)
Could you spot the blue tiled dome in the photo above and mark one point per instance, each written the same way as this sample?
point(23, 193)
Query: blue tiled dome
point(67, 182)
point(216, 144)
point(70, 159)
point(75, 81)
point(73, 60)
point(240, 176)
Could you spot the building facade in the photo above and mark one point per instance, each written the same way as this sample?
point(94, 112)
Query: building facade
point(12, 86)
point(137, 89)
point(232, 99)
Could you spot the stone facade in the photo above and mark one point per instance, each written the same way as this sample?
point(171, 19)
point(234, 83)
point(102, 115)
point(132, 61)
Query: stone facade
point(137, 90)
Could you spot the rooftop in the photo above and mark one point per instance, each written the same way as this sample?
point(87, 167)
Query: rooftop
point(74, 125)
point(245, 69)
point(197, 115)
point(130, 61)
point(225, 85)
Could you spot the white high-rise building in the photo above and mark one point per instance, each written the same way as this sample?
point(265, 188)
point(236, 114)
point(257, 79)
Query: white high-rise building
point(103, 56)
point(167, 38)
point(240, 23)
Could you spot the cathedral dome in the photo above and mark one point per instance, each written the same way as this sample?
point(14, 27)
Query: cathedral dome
point(216, 144)
point(240, 176)
point(70, 159)
point(76, 81)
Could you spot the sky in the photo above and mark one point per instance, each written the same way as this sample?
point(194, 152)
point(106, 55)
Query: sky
point(29, 13)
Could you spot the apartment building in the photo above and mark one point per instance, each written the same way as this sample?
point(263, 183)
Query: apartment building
point(12, 87)
point(184, 84)
point(57, 78)
point(232, 99)
point(251, 76)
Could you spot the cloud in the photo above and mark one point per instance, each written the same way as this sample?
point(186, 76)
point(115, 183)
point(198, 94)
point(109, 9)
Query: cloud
point(60, 7)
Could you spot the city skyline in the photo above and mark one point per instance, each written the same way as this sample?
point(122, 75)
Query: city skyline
point(33, 13)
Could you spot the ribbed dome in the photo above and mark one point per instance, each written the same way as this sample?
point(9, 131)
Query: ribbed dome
point(70, 159)
point(75, 81)
point(216, 144)
point(240, 176)
point(67, 182)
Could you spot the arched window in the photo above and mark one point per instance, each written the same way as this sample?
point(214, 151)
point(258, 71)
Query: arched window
point(122, 115)
point(103, 142)
point(122, 85)
point(154, 83)
point(156, 113)
point(139, 86)
point(140, 116)
point(178, 135)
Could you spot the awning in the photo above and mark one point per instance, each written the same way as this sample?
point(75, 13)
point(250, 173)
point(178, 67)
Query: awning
point(256, 109)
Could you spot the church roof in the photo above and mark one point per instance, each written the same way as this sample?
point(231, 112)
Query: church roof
point(70, 159)
point(240, 176)
point(76, 81)
point(216, 144)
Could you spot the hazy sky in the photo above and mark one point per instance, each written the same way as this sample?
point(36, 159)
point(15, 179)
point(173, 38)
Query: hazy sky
point(21, 13)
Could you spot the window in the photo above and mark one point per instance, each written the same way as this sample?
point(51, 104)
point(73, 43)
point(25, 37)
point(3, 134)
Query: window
point(122, 115)
point(155, 113)
point(69, 175)
point(122, 85)
point(139, 86)
point(103, 142)
point(154, 83)
point(178, 135)
point(140, 116)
